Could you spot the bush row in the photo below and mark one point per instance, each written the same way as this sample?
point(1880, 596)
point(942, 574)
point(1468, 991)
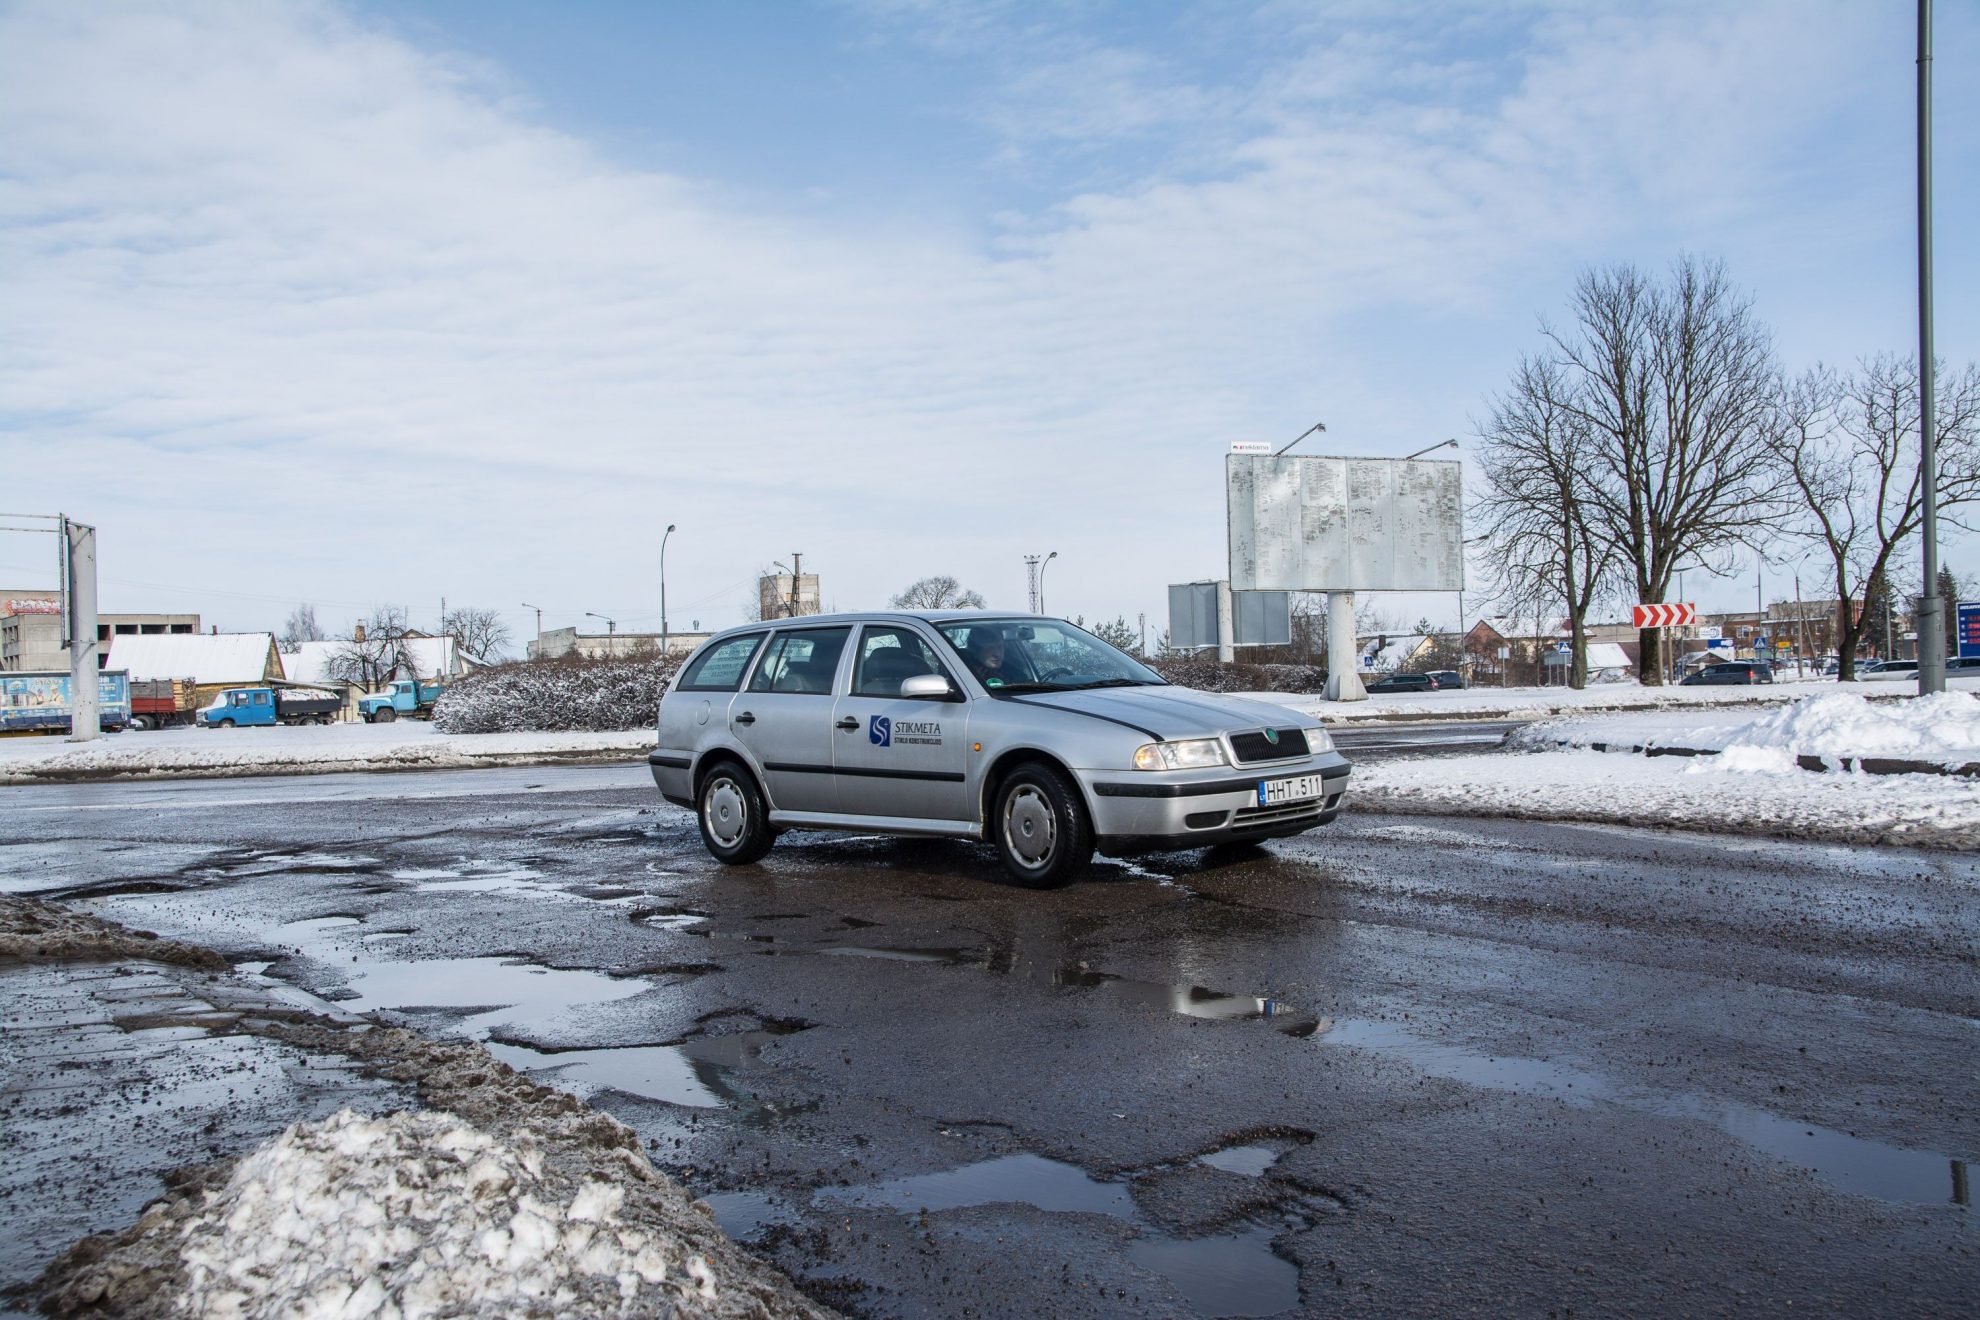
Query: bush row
point(571, 692)
point(574, 693)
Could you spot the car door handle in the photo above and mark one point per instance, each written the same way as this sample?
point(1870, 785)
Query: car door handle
point(745, 718)
point(848, 724)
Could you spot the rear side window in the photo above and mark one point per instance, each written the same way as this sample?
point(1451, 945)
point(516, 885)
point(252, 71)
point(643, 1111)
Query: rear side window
point(720, 667)
point(805, 661)
point(889, 657)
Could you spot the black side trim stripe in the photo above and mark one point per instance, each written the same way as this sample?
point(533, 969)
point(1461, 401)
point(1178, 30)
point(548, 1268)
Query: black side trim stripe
point(1091, 715)
point(1201, 788)
point(669, 760)
point(860, 772)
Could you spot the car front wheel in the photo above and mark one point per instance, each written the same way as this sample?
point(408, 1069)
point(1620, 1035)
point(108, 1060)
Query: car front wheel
point(1040, 827)
point(735, 822)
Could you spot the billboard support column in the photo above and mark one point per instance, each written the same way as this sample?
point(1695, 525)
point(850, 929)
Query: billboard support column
point(1226, 625)
point(1343, 678)
point(79, 550)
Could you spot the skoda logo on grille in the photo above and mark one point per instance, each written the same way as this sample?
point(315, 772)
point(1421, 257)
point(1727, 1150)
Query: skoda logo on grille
point(1272, 736)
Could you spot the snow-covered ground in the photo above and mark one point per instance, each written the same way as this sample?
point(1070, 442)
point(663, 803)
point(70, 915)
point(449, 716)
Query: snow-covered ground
point(405, 745)
point(1753, 784)
point(1538, 702)
point(1837, 725)
point(1932, 811)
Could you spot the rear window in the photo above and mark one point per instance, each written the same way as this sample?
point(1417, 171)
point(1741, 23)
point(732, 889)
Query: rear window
point(720, 667)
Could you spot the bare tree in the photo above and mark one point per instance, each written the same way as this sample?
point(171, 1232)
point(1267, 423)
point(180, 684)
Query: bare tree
point(1676, 384)
point(376, 651)
point(940, 592)
point(1549, 543)
point(480, 633)
point(1848, 446)
point(301, 627)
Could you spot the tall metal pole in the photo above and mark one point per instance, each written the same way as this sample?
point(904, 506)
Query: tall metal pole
point(1041, 579)
point(79, 551)
point(663, 587)
point(1931, 610)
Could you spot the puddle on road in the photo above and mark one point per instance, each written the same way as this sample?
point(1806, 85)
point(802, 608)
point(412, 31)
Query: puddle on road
point(1249, 1161)
point(1851, 1164)
point(1232, 1274)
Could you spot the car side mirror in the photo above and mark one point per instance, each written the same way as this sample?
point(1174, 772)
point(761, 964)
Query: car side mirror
point(927, 685)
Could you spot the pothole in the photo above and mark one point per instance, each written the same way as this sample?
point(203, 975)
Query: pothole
point(1224, 1274)
point(1850, 1163)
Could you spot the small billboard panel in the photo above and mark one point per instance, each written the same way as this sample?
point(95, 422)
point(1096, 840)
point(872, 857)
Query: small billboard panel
point(1260, 618)
point(1302, 523)
point(1966, 629)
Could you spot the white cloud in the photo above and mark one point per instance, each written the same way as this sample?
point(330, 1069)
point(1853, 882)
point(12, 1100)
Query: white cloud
point(322, 314)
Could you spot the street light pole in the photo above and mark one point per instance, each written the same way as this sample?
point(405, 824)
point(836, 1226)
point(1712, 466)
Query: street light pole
point(1041, 579)
point(539, 626)
point(663, 588)
point(1931, 610)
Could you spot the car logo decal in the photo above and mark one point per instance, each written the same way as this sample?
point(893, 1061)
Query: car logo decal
point(880, 731)
point(1272, 736)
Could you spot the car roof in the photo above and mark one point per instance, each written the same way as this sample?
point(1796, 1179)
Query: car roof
point(891, 616)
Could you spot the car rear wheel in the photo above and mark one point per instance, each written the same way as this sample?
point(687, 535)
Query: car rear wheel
point(1040, 827)
point(735, 822)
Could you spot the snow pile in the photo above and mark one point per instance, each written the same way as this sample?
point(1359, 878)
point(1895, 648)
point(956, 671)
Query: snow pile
point(1943, 729)
point(1837, 726)
point(1493, 702)
point(421, 1214)
point(1929, 811)
point(568, 693)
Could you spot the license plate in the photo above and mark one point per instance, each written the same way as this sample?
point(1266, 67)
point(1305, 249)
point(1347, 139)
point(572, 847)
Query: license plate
point(1299, 788)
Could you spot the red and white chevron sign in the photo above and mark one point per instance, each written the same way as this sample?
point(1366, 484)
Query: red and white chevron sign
point(1662, 616)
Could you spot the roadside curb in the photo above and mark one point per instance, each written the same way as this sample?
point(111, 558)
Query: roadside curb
point(1868, 765)
point(298, 769)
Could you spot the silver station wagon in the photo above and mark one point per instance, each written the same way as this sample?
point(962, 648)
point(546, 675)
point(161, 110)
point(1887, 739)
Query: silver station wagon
point(1025, 732)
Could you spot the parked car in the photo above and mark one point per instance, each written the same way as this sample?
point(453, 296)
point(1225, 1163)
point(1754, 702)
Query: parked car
point(1447, 678)
point(1025, 732)
point(1889, 671)
point(1403, 683)
point(1730, 671)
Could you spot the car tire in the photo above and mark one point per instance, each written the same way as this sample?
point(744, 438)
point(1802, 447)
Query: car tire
point(734, 819)
point(1039, 826)
point(387, 715)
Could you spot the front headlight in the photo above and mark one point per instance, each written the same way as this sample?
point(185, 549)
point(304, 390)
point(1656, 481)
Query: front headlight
point(1318, 741)
point(1189, 754)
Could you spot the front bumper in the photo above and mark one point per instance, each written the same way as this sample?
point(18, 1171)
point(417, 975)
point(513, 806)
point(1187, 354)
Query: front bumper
point(1151, 811)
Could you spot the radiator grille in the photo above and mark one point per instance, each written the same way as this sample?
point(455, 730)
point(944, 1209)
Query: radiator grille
point(1255, 746)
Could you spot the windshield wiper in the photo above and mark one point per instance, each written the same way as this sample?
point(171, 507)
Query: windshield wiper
point(1117, 682)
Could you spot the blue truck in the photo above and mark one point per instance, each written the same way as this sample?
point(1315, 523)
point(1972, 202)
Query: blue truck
point(38, 701)
point(406, 698)
point(247, 707)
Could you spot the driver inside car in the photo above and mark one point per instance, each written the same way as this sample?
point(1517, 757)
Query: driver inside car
point(985, 656)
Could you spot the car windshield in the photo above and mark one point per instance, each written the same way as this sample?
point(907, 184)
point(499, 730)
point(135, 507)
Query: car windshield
point(1041, 655)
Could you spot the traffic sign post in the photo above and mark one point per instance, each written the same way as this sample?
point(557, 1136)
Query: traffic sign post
point(1662, 616)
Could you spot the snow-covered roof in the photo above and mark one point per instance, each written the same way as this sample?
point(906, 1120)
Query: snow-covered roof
point(1397, 652)
point(309, 662)
point(1607, 655)
point(201, 657)
point(436, 657)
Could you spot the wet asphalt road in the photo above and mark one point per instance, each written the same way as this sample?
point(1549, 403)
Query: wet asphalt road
point(1403, 1065)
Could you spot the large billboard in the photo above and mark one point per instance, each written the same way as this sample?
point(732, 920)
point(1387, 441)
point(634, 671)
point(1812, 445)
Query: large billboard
point(1301, 523)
